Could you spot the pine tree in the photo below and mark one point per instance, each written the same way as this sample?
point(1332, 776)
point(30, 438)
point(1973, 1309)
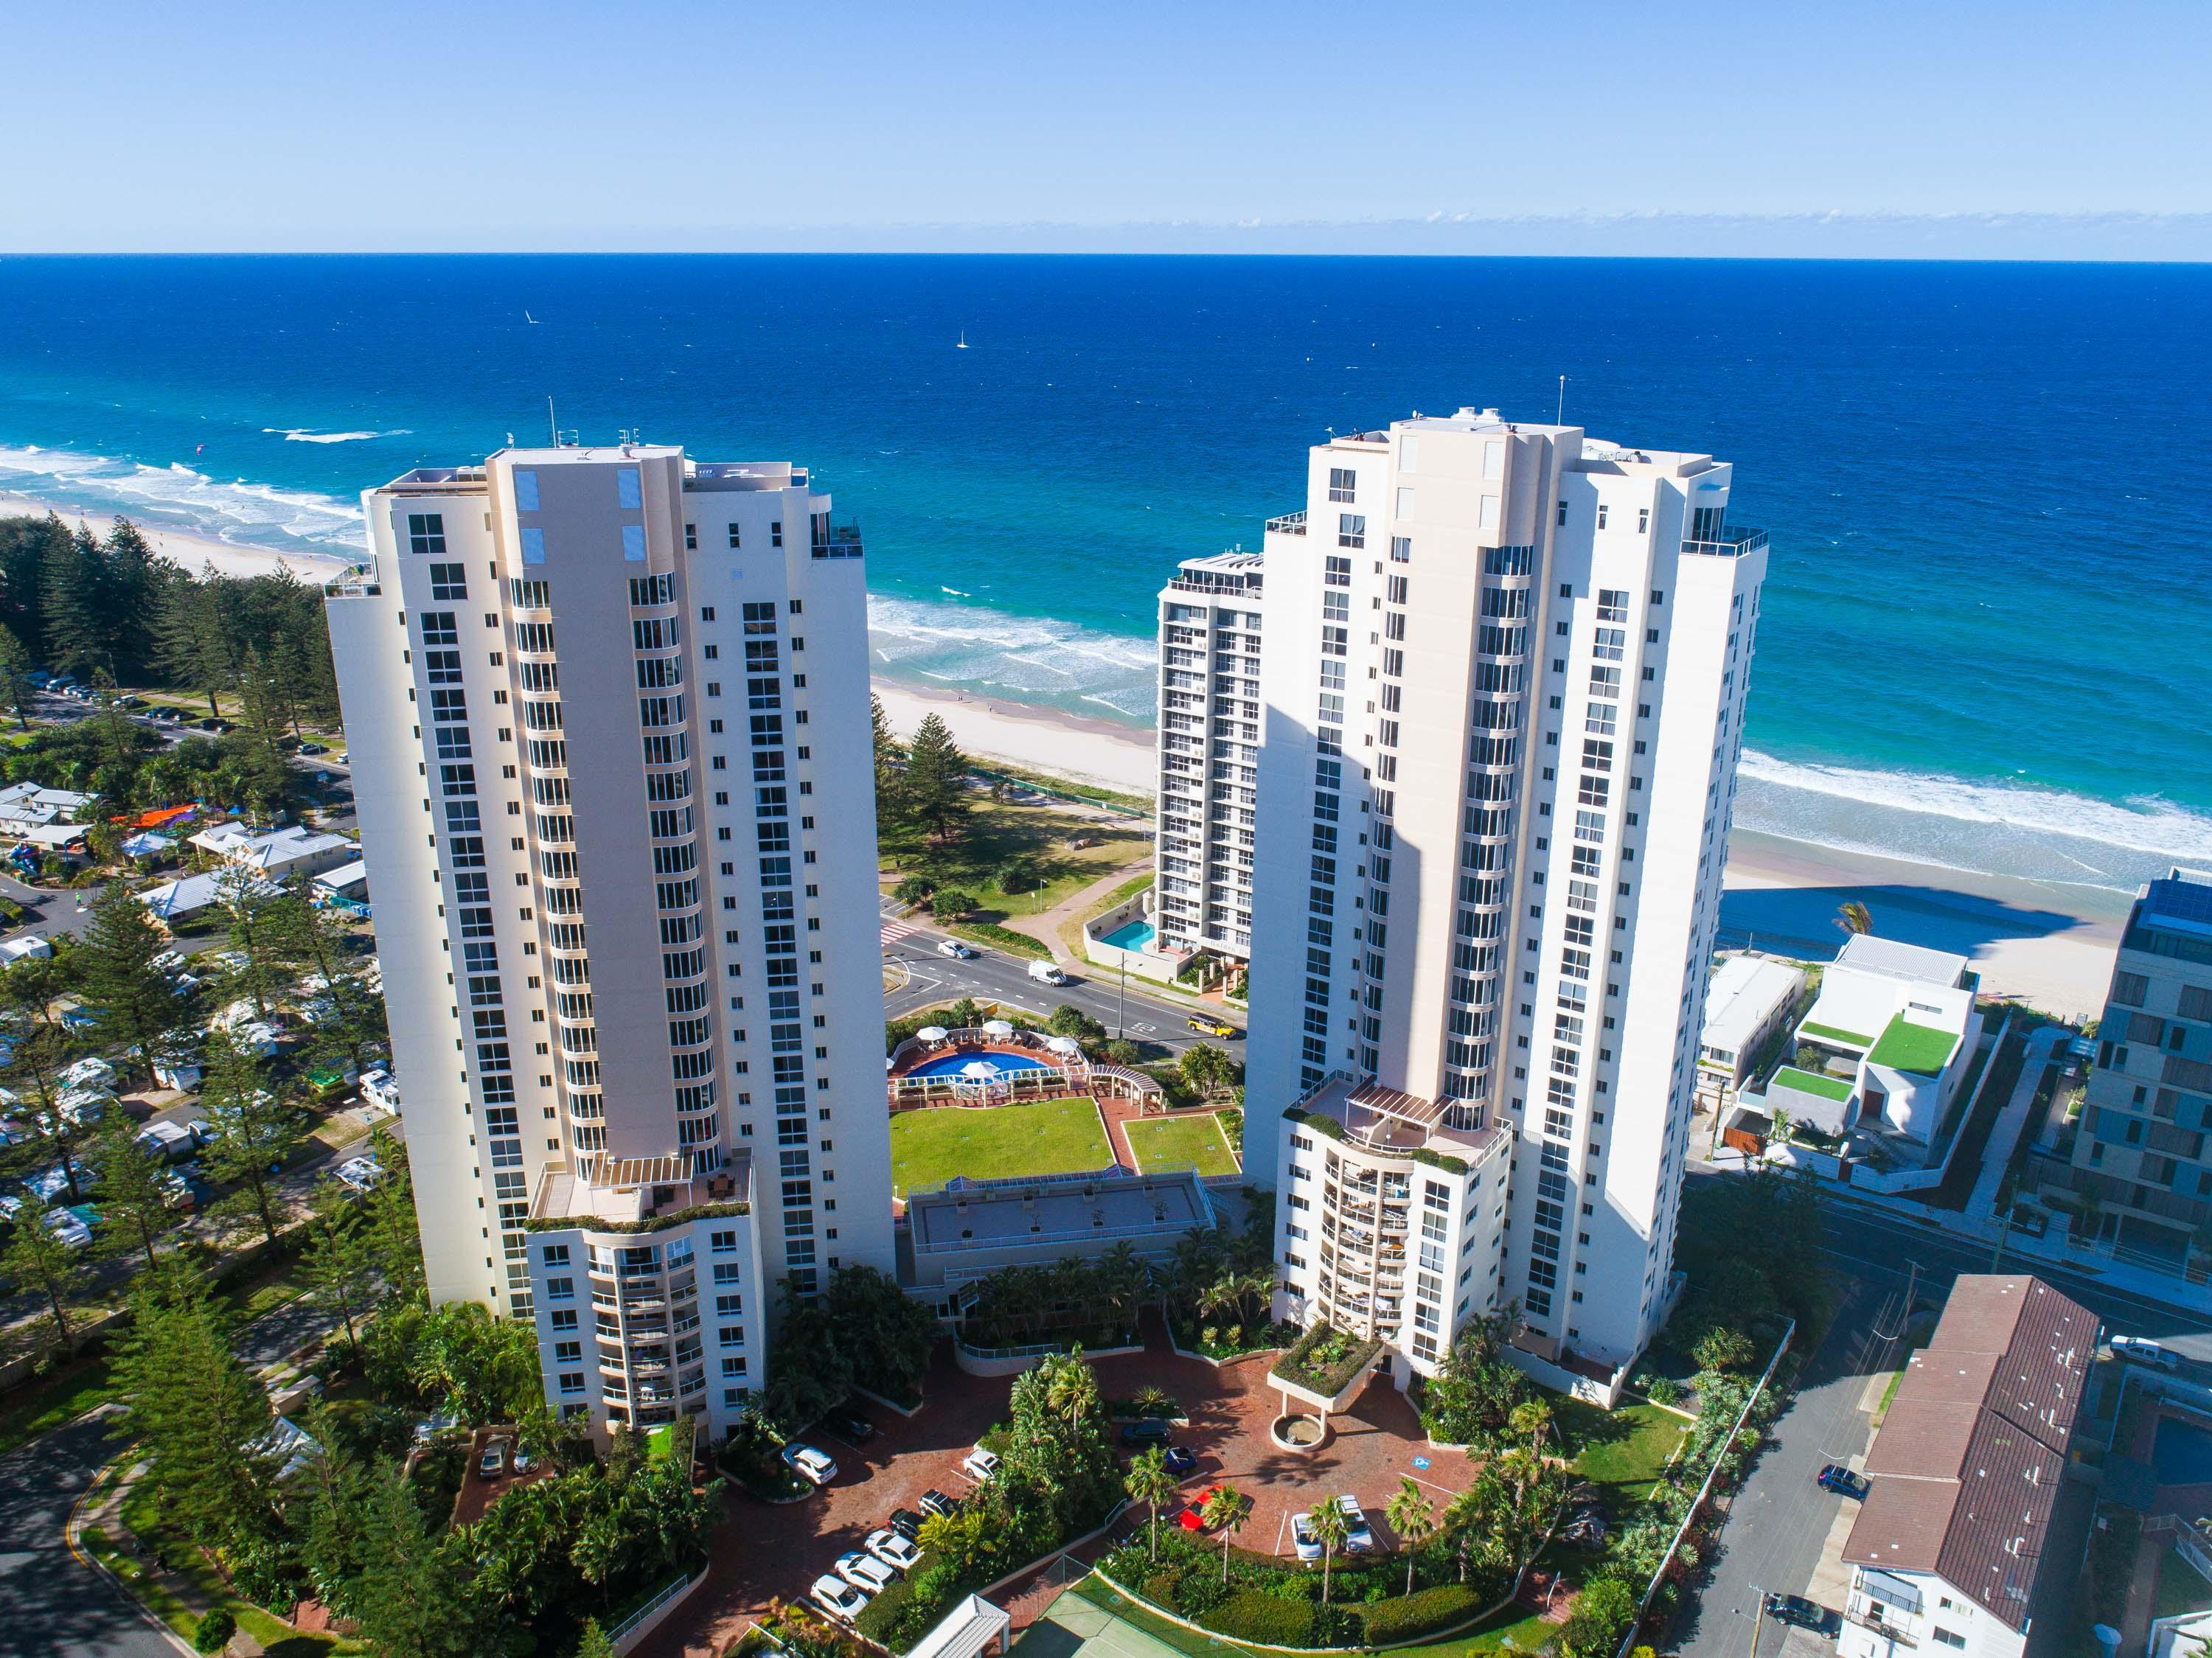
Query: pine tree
point(66, 576)
point(318, 941)
point(890, 779)
point(127, 578)
point(937, 779)
point(199, 1414)
point(593, 1642)
point(395, 1238)
point(339, 1263)
point(39, 1260)
point(134, 1199)
point(50, 1138)
point(410, 1599)
point(15, 687)
point(191, 641)
point(255, 1131)
point(137, 1000)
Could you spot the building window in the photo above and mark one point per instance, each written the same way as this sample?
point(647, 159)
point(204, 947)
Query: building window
point(1351, 529)
point(1343, 483)
point(426, 533)
point(1950, 1639)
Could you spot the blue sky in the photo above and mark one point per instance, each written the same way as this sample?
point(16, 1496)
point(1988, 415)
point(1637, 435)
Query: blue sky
point(263, 126)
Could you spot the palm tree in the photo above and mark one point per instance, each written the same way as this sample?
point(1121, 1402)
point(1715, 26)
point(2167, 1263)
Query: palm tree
point(1122, 1277)
point(1223, 1295)
point(1854, 917)
point(1532, 1420)
point(1151, 1481)
point(1461, 1522)
point(1518, 1467)
point(1226, 1510)
point(1331, 1533)
point(1414, 1517)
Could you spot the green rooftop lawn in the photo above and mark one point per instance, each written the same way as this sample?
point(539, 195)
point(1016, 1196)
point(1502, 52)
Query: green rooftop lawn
point(1834, 1034)
point(1052, 1137)
point(1807, 1082)
point(1915, 1047)
point(2179, 1588)
point(1164, 1142)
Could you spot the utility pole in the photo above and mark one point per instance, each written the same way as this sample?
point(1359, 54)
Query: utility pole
point(1757, 1615)
point(1122, 1007)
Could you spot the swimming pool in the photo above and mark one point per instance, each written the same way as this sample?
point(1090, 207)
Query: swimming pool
point(2182, 1453)
point(1001, 1059)
point(1130, 935)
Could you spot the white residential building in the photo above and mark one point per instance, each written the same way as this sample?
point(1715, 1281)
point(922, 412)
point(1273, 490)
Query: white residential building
point(1748, 1001)
point(1209, 739)
point(1948, 1550)
point(626, 916)
point(1898, 1028)
point(1502, 702)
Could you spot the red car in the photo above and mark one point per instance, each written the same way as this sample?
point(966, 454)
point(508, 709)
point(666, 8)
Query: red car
point(1193, 1517)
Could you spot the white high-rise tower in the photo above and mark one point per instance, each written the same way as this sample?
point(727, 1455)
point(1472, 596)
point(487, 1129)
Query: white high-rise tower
point(1503, 694)
point(603, 707)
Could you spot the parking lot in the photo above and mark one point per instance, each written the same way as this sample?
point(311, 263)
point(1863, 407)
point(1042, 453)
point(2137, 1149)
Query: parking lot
point(766, 1552)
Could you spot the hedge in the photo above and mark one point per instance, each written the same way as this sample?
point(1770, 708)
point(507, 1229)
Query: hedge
point(1405, 1617)
point(1256, 1615)
point(650, 1224)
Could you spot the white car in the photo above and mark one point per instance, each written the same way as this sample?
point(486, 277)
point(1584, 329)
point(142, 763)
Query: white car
point(955, 948)
point(837, 1597)
point(865, 1571)
point(812, 1466)
point(379, 1091)
point(894, 1551)
point(1302, 1538)
point(361, 1173)
point(2144, 1351)
point(1357, 1539)
point(979, 1465)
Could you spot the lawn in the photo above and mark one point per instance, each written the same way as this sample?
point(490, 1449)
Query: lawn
point(277, 1639)
point(996, 834)
point(1164, 1142)
point(1622, 1452)
point(1052, 1137)
point(1514, 1625)
point(1908, 1047)
point(2180, 1588)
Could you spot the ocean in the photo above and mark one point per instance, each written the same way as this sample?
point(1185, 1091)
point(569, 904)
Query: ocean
point(1987, 622)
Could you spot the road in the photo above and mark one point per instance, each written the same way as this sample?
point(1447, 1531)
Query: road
point(1773, 1538)
point(50, 1603)
point(923, 977)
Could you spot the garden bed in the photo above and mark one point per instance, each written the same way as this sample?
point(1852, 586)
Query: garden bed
point(1325, 1360)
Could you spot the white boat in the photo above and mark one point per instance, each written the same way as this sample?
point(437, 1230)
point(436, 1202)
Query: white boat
point(962, 346)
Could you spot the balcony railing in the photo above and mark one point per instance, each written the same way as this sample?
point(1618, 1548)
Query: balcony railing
point(1729, 543)
point(1290, 524)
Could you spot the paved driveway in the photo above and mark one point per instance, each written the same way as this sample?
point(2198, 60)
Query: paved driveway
point(766, 1552)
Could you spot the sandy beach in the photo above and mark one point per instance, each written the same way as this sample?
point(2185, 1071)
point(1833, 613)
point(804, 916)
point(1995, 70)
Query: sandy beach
point(195, 552)
point(2048, 944)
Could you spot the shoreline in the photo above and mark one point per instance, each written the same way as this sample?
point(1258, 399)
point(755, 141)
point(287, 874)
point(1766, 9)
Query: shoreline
point(188, 548)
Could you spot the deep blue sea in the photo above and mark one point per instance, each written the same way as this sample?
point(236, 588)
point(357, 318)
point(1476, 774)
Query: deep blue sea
point(1987, 622)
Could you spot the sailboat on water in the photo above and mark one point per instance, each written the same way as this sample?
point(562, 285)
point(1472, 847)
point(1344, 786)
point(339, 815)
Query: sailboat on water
point(962, 345)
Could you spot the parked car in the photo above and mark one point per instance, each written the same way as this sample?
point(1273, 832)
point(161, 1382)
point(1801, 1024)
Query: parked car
point(1303, 1539)
point(311, 748)
point(1046, 974)
point(1357, 1538)
point(937, 1502)
point(1796, 1609)
point(954, 948)
point(894, 1551)
point(1181, 1460)
point(435, 1426)
point(837, 1597)
point(1207, 1027)
point(979, 1465)
point(2143, 1351)
point(1835, 1476)
point(849, 1424)
point(1193, 1516)
point(1149, 1430)
point(812, 1466)
point(865, 1571)
point(906, 1523)
point(493, 1463)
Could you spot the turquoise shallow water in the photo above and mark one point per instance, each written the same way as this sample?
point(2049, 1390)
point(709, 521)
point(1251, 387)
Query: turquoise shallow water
point(1985, 627)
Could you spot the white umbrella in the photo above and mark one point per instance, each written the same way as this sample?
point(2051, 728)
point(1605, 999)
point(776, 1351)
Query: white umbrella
point(930, 1033)
point(979, 1069)
point(997, 1028)
point(1063, 1044)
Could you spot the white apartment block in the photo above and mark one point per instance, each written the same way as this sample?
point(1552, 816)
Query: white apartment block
point(626, 916)
point(1209, 742)
point(1502, 702)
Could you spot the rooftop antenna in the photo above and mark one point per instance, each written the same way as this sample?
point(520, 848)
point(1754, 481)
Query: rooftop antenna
point(1560, 419)
point(553, 423)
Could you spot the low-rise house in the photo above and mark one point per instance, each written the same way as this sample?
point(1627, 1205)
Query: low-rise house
point(1893, 1029)
point(1947, 1550)
point(1747, 1000)
point(25, 806)
point(277, 854)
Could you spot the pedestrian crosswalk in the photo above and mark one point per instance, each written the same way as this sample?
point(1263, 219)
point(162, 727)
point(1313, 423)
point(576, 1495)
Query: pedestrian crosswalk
point(895, 931)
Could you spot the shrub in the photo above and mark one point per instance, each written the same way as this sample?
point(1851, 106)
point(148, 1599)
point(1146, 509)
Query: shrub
point(215, 1628)
point(1162, 1589)
point(1250, 1615)
point(1663, 1390)
point(1406, 1616)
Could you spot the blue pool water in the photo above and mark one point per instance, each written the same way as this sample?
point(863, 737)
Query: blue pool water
point(1130, 935)
point(2182, 1454)
point(952, 1065)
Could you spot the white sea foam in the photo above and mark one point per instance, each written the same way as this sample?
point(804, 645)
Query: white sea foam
point(182, 497)
point(306, 435)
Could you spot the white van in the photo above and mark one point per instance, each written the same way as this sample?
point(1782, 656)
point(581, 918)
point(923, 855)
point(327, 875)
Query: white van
point(1046, 974)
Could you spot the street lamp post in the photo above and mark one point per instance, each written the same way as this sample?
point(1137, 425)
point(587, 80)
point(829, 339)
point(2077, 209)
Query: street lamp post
point(1121, 1005)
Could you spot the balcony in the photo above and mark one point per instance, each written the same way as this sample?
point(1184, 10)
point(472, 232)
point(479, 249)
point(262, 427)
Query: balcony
point(1888, 1631)
point(1729, 543)
point(1290, 524)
